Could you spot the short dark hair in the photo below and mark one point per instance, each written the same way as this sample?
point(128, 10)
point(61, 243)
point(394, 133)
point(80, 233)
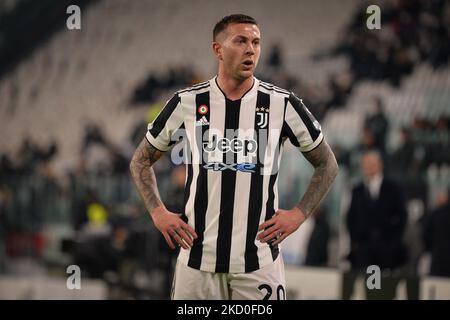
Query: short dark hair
point(233, 18)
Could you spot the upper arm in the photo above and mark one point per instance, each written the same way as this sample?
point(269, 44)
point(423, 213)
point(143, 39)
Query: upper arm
point(401, 206)
point(300, 126)
point(161, 131)
point(351, 211)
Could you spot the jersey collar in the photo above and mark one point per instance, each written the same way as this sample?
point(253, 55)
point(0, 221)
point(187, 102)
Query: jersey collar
point(251, 92)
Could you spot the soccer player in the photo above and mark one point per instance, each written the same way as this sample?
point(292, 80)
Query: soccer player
point(235, 127)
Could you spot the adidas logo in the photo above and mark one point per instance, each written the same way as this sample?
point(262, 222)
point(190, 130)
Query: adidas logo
point(202, 122)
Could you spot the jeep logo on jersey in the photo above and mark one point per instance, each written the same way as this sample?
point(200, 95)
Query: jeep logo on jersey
point(236, 145)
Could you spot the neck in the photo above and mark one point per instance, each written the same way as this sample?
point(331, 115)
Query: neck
point(375, 177)
point(233, 88)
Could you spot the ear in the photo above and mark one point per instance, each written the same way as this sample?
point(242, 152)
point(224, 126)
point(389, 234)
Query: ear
point(217, 49)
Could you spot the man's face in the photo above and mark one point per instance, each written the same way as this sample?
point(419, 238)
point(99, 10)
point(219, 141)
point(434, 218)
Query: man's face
point(371, 165)
point(238, 49)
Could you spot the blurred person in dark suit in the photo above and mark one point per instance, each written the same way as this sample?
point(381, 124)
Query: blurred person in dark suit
point(436, 236)
point(376, 219)
point(317, 250)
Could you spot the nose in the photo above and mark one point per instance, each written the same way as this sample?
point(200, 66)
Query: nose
point(250, 50)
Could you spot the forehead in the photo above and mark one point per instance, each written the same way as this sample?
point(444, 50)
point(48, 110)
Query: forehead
point(370, 159)
point(243, 29)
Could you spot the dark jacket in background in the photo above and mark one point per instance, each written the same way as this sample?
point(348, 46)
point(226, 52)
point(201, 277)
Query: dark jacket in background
point(437, 240)
point(376, 227)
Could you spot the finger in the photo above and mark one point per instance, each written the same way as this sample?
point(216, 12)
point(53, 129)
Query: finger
point(183, 244)
point(277, 241)
point(189, 229)
point(168, 240)
point(178, 240)
point(266, 224)
point(184, 236)
point(271, 236)
point(267, 232)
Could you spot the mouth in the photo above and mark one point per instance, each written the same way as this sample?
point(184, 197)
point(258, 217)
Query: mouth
point(248, 64)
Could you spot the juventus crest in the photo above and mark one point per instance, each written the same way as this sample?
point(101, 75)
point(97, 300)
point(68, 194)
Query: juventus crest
point(262, 115)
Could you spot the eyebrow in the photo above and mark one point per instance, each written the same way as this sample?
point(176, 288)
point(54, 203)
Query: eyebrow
point(245, 38)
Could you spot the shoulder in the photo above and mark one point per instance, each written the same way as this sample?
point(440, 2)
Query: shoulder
point(277, 91)
point(195, 89)
point(359, 187)
point(443, 212)
point(271, 89)
point(391, 184)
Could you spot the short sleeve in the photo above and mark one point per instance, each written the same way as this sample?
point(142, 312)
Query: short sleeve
point(169, 120)
point(300, 126)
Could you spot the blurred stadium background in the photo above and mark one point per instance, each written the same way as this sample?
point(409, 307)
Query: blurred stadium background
point(75, 103)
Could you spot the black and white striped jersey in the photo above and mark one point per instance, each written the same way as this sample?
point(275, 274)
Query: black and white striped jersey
point(232, 152)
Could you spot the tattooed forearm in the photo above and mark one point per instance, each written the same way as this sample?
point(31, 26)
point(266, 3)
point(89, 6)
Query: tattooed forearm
point(326, 169)
point(143, 175)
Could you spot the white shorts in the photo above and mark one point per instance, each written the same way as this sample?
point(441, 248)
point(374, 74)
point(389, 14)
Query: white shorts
point(267, 283)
